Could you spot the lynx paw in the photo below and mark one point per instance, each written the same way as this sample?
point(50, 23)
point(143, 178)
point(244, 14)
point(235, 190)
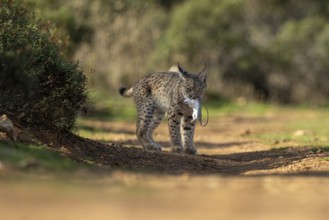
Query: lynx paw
point(176, 149)
point(153, 147)
point(190, 150)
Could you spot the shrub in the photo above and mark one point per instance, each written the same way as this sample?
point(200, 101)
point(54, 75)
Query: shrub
point(273, 50)
point(38, 85)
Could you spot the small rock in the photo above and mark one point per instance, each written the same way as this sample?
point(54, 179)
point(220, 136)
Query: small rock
point(7, 126)
point(29, 164)
point(246, 132)
point(299, 133)
point(319, 151)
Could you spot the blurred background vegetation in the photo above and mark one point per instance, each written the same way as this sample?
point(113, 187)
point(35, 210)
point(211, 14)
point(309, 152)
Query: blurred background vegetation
point(273, 51)
point(265, 50)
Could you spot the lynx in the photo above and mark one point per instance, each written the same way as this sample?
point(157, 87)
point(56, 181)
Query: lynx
point(177, 93)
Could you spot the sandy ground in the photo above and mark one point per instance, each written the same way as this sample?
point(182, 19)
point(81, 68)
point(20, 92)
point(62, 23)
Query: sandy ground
point(235, 176)
point(123, 195)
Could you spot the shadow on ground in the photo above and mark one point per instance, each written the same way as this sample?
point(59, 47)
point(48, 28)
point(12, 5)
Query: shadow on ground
point(115, 156)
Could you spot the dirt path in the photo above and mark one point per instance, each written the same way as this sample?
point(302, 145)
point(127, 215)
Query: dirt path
point(228, 145)
point(236, 175)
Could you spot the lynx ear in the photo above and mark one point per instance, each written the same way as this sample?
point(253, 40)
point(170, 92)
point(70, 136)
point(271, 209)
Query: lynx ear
point(203, 74)
point(182, 72)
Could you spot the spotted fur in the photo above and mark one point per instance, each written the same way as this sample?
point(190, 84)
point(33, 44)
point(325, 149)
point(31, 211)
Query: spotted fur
point(164, 92)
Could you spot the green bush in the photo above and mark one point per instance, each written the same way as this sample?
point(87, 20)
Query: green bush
point(72, 24)
point(215, 31)
point(268, 50)
point(38, 85)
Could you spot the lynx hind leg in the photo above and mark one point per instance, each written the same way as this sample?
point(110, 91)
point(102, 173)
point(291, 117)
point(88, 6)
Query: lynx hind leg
point(188, 128)
point(157, 118)
point(145, 126)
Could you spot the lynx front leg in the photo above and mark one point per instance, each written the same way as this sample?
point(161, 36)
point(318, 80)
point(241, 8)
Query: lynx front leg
point(188, 135)
point(174, 130)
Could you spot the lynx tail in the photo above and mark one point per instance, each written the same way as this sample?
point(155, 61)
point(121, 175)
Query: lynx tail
point(126, 92)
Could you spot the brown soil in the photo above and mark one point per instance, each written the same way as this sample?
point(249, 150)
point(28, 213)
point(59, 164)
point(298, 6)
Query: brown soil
point(226, 146)
point(250, 179)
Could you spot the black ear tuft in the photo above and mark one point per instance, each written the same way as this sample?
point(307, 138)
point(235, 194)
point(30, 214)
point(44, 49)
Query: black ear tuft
point(122, 91)
point(182, 72)
point(203, 73)
point(181, 69)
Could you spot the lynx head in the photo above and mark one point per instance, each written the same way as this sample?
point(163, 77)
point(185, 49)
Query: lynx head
point(194, 85)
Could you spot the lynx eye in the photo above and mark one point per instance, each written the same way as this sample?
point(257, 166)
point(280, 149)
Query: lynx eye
point(189, 89)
